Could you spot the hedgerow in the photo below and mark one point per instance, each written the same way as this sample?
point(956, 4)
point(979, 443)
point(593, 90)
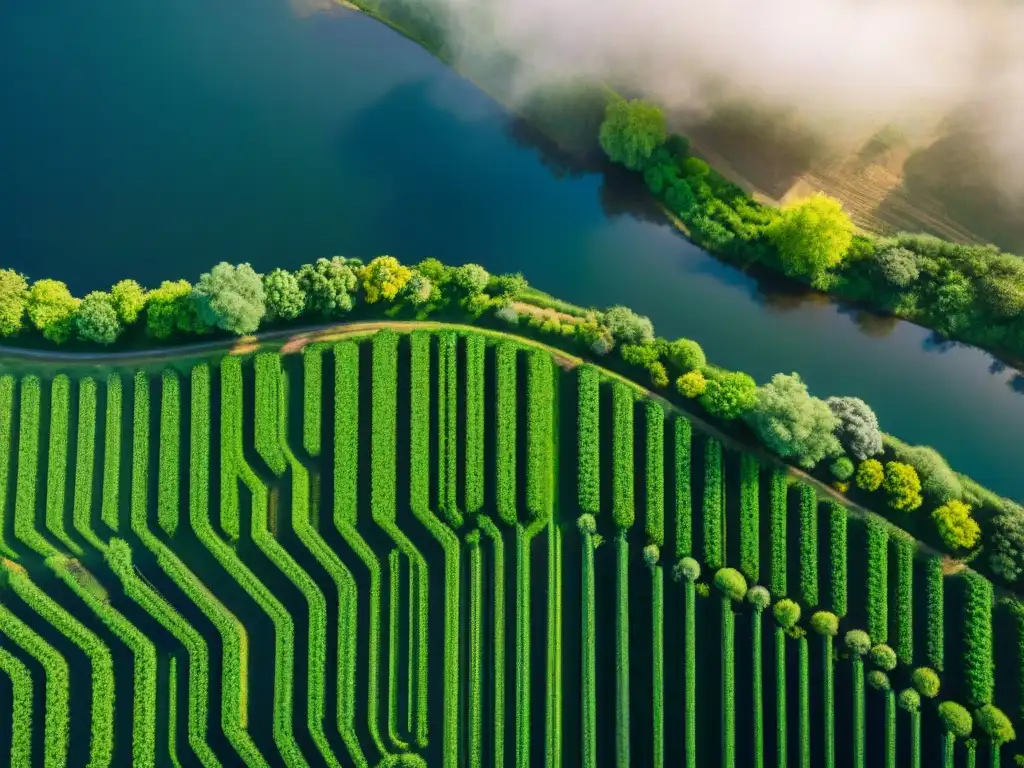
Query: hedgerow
point(759, 598)
point(588, 657)
point(714, 506)
point(312, 399)
point(805, 702)
point(779, 492)
point(447, 423)
point(657, 656)
point(728, 683)
point(878, 581)
point(475, 428)
point(837, 517)
point(498, 622)
point(905, 600)
point(589, 439)
point(6, 423)
point(21, 709)
point(170, 420)
point(475, 651)
point(112, 453)
point(684, 500)
point(808, 545)
point(781, 727)
point(935, 612)
point(27, 483)
point(890, 728)
point(505, 432)
point(622, 646)
point(979, 669)
point(750, 517)
point(540, 396)
point(690, 571)
point(57, 461)
point(84, 460)
point(654, 518)
point(56, 722)
point(622, 456)
point(858, 642)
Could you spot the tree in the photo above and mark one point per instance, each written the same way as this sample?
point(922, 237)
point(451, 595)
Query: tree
point(435, 271)
point(471, 278)
point(419, 289)
point(870, 475)
point(858, 429)
point(285, 299)
point(691, 384)
point(687, 354)
point(729, 394)
point(328, 285)
point(956, 526)
point(383, 278)
point(51, 308)
point(688, 569)
point(787, 613)
point(731, 583)
point(883, 657)
point(995, 724)
point(651, 555)
point(858, 641)
point(97, 319)
point(1006, 556)
point(510, 285)
point(231, 297)
point(909, 700)
point(938, 481)
point(792, 423)
point(902, 486)
point(956, 719)
point(825, 623)
point(759, 597)
point(631, 131)
point(170, 310)
point(812, 236)
point(898, 266)
point(128, 299)
point(878, 680)
point(841, 469)
point(13, 293)
point(926, 682)
point(627, 327)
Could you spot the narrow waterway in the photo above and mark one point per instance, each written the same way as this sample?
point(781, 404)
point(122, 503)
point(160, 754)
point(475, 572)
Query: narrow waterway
point(153, 139)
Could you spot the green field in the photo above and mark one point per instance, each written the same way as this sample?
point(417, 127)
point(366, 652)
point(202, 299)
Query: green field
point(453, 546)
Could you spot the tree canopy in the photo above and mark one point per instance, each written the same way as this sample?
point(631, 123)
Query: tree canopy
point(631, 131)
point(328, 284)
point(13, 290)
point(793, 423)
point(858, 429)
point(97, 319)
point(812, 236)
point(284, 298)
point(128, 299)
point(51, 308)
point(231, 297)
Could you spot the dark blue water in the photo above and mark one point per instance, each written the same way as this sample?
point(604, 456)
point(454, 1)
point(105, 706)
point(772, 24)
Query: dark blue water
point(153, 139)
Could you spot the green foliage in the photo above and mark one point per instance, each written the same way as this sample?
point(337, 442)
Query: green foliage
point(837, 517)
point(505, 433)
point(13, 298)
point(978, 666)
point(750, 517)
point(902, 486)
point(825, 623)
point(691, 384)
point(714, 505)
point(812, 236)
point(994, 723)
point(729, 395)
point(926, 682)
point(792, 423)
point(627, 327)
point(731, 583)
point(231, 298)
point(878, 680)
point(858, 431)
point(328, 285)
point(621, 652)
point(759, 597)
point(935, 613)
point(285, 299)
point(383, 278)
point(878, 581)
point(589, 439)
point(909, 700)
point(787, 613)
point(472, 279)
point(631, 131)
point(938, 482)
point(956, 719)
point(956, 526)
point(129, 299)
point(683, 497)
point(904, 599)
point(96, 319)
point(654, 485)
point(687, 355)
point(841, 469)
point(623, 509)
point(898, 266)
point(808, 545)
point(858, 641)
point(170, 310)
point(779, 494)
point(870, 475)
point(51, 308)
point(883, 657)
point(540, 436)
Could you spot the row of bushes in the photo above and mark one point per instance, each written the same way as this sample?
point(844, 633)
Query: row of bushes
point(714, 504)
point(447, 429)
point(57, 461)
point(109, 512)
point(878, 581)
point(589, 439)
point(475, 426)
point(684, 498)
point(588, 645)
point(85, 452)
point(777, 520)
point(540, 394)
point(27, 482)
point(904, 599)
point(505, 432)
point(837, 517)
point(657, 655)
point(750, 517)
point(167, 477)
point(808, 545)
point(21, 709)
point(654, 518)
point(623, 511)
point(312, 399)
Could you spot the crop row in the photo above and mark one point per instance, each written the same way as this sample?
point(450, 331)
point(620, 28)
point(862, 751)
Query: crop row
point(21, 709)
point(623, 510)
point(553, 696)
point(728, 684)
point(622, 649)
point(540, 398)
point(904, 645)
point(588, 657)
point(57, 461)
point(935, 646)
point(804, 693)
point(757, 687)
point(859, 726)
point(475, 709)
point(498, 612)
point(589, 439)
point(657, 664)
point(6, 424)
point(837, 517)
point(312, 399)
point(447, 426)
point(690, 670)
point(654, 518)
point(109, 512)
point(684, 498)
point(808, 545)
point(505, 432)
point(475, 423)
point(890, 728)
point(828, 700)
point(781, 724)
point(85, 455)
point(750, 518)
point(170, 429)
point(714, 505)
point(28, 470)
point(779, 492)
point(878, 582)
point(979, 675)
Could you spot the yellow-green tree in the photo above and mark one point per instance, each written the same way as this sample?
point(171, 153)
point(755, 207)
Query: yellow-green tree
point(812, 236)
point(631, 131)
point(51, 308)
point(384, 277)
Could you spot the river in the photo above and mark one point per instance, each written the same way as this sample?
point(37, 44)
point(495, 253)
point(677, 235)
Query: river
point(151, 140)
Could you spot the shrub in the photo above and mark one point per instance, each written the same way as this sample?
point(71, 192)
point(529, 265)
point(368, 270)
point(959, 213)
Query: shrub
point(691, 384)
point(936, 611)
point(909, 700)
point(808, 545)
point(587, 524)
point(659, 376)
point(858, 641)
point(51, 308)
point(956, 526)
point(825, 623)
point(905, 599)
point(231, 297)
point(731, 583)
point(938, 481)
point(170, 310)
point(898, 266)
point(956, 720)
point(792, 423)
point(841, 468)
point(651, 555)
point(779, 493)
point(837, 557)
point(787, 613)
point(328, 285)
point(13, 293)
point(870, 475)
point(729, 395)
point(684, 500)
point(96, 319)
point(995, 724)
point(750, 517)
point(687, 354)
point(883, 657)
point(623, 510)
point(979, 670)
point(714, 505)
point(902, 486)
point(689, 569)
point(925, 681)
point(129, 299)
point(759, 597)
point(654, 465)
point(879, 680)
point(284, 297)
point(589, 439)
point(1006, 553)
point(812, 236)
point(632, 131)
point(627, 327)
point(878, 581)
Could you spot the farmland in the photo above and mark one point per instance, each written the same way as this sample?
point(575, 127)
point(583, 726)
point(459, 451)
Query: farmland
point(449, 548)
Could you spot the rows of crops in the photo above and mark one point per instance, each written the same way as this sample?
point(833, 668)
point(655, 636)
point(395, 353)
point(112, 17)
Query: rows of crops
point(445, 549)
